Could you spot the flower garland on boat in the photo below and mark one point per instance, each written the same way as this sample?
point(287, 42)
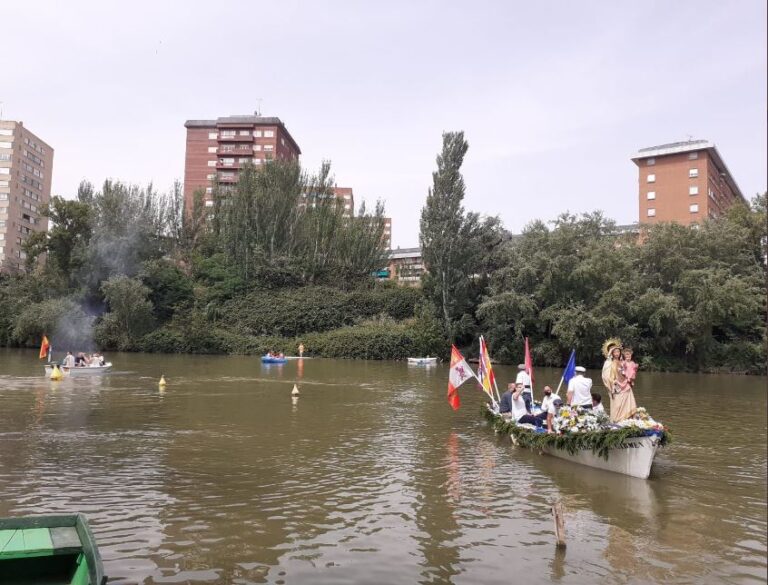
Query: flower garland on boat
point(577, 429)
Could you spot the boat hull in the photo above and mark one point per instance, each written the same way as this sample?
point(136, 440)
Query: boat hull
point(86, 371)
point(635, 460)
point(422, 361)
point(271, 360)
point(49, 549)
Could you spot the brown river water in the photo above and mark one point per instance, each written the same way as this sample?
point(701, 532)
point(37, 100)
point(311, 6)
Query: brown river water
point(371, 477)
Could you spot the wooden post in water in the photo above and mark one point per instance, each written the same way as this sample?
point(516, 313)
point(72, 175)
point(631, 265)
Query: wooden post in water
point(558, 516)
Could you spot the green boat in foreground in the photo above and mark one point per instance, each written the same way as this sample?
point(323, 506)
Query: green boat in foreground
point(49, 550)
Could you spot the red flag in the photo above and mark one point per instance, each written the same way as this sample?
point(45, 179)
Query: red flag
point(528, 361)
point(44, 347)
point(459, 373)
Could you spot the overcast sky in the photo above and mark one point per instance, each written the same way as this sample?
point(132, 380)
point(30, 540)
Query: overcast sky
point(554, 97)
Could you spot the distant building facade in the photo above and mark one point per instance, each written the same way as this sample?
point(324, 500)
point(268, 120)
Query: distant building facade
point(217, 149)
point(343, 196)
point(26, 167)
point(405, 267)
point(684, 182)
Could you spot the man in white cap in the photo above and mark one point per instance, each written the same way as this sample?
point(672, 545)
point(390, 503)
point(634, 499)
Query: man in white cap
point(525, 379)
point(580, 390)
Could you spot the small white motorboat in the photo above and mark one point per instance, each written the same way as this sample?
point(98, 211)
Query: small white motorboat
point(425, 361)
point(634, 460)
point(79, 371)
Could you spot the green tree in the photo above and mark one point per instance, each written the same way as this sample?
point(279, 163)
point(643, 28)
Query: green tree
point(130, 313)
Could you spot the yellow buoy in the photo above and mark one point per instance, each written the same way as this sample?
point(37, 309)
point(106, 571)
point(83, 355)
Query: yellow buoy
point(56, 373)
point(162, 382)
point(295, 391)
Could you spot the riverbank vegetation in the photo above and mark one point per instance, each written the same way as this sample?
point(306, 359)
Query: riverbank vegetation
point(274, 262)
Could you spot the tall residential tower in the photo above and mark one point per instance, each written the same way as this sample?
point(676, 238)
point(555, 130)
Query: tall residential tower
point(26, 164)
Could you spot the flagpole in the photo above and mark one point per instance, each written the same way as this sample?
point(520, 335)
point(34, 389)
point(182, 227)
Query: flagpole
point(560, 384)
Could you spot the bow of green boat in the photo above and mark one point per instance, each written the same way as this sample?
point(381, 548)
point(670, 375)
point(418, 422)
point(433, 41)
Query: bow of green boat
point(49, 550)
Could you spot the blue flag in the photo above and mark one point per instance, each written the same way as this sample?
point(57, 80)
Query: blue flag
point(570, 368)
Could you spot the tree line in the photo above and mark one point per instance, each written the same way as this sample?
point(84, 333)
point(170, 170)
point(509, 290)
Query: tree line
point(274, 261)
point(686, 298)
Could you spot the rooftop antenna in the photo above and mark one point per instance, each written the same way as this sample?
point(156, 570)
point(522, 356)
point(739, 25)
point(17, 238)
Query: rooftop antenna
point(258, 108)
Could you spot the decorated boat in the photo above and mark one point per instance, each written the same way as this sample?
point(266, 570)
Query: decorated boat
point(78, 371)
point(270, 359)
point(425, 361)
point(56, 550)
point(628, 447)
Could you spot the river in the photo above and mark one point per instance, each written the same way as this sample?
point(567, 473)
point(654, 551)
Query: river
point(370, 477)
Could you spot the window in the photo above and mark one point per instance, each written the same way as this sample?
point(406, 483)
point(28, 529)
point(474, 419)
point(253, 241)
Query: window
point(5, 157)
point(651, 195)
point(651, 212)
point(211, 163)
point(211, 149)
point(282, 141)
point(6, 144)
point(242, 161)
point(269, 134)
point(6, 132)
point(693, 155)
point(227, 133)
point(257, 147)
point(5, 171)
point(269, 147)
point(244, 133)
point(3, 196)
point(257, 133)
point(209, 190)
point(227, 161)
point(650, 162)
point(208, 203)
point(210, 177)
point(694, 190)
point(651, 178)
point(213, 135)
point(694, 207)
point(693, 173)
point(257, 161)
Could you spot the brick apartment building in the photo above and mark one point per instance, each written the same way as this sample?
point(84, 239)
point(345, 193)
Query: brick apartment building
point(342, 195)
point(684, 182)
point(26, 165)
point(216, 149)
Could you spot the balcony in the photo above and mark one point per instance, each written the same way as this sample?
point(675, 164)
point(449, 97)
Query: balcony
point(227, 178)
point(236, 138)
point(240, 151)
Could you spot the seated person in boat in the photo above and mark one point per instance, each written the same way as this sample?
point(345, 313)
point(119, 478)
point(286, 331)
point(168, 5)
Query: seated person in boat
point(80, 360)
point(518, 408)
point(597, 403)
point(96, 360)
point(580, 389)
point(552, 410)
point(69, 360)
point(548, 398)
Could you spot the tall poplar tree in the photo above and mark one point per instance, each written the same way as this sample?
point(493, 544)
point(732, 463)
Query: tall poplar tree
point(447, 234)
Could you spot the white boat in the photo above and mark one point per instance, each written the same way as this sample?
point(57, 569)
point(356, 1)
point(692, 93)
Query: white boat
point(81, 371)
point(427, 361)
point(634, 460)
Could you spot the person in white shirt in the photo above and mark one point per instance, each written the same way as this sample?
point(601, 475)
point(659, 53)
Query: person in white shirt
point(548, 398)
point(525, 379)
point(519, 410)
point(69, 361)
point(597, 403)
point(580, 390)
point(552, 409)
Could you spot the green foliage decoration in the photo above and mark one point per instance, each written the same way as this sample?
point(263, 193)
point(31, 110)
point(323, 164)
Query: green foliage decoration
point(600, 442)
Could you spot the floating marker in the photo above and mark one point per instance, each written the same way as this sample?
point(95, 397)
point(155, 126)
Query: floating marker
point(56, 373)
point(295, 391)
point(162, 382)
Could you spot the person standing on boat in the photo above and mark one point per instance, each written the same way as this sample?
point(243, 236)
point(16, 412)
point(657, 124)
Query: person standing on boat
point(580, 390)
point(301, 350)
point(524, 378)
